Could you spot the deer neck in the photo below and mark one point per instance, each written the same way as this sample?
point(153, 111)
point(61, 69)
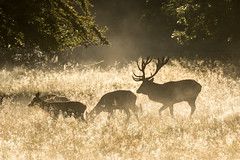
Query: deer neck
point(155, 91)
point(43, 104)
point(154, 85)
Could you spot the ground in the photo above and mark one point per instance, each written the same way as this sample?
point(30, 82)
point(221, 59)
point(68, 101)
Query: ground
point(30, 133)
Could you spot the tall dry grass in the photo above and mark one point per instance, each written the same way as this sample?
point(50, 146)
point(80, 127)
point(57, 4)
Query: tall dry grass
point(30, 133)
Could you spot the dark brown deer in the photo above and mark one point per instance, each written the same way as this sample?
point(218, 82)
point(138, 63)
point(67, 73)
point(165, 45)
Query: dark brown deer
point(69, 107)
point(168, 93)
point(120, 99)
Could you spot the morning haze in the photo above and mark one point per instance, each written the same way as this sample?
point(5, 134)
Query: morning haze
point(111, 79)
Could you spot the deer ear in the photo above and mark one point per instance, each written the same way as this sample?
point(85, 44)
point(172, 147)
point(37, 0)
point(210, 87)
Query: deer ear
point(37, 95)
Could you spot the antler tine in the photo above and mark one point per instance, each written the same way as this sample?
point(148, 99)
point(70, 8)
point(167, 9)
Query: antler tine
point(159, 65)
point(164, 60)
point(139, 66)
point(136, 78)
point(142, 69)
point(148, 60)
point(145, 63)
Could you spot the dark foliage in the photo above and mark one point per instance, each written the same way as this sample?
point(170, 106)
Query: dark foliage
point(35, 31)
point(207, 27)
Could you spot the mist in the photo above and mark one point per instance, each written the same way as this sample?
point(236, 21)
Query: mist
point(128, 39)
point(136, 28)
point(131, 36)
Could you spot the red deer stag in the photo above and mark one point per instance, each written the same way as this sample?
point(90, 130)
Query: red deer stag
point(69, 107)
point(168, 93)
point(120, 99)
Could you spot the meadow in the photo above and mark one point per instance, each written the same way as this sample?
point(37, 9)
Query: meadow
point(30, 133)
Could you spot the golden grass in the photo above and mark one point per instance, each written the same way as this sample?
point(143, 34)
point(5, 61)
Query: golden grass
point(29, 133)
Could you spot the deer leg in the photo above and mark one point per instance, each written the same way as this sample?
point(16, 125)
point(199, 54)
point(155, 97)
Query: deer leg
point(82, 117)
point(193, 106)
point(139, 108)
point(135, 111)
point(136, 115)
point(110, 114)
point(128, 114)
point(171, 110)
point(162, 109)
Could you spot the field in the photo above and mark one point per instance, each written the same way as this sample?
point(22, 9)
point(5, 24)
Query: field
point(29, 133)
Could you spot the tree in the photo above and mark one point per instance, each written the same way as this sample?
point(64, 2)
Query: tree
point(31, 28)
point(216, 20)
point(200, 26)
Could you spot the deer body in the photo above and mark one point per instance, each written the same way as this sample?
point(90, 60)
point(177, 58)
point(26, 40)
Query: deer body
point(168, 93)
point(117, 100)
point(172, 92)
point(69, 107)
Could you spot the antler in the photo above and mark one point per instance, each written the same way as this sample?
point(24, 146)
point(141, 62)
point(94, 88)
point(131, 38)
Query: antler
point(144, 64)
point(159, 65)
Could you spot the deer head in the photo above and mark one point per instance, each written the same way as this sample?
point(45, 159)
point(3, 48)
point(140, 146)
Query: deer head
point(147, 81)
point(36, 100)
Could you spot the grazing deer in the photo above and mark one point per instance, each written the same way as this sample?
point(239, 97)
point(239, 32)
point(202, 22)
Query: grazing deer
point(69, 107)
point(1, 99)
point(168, 93)
point(54, 98)
point(120, 99)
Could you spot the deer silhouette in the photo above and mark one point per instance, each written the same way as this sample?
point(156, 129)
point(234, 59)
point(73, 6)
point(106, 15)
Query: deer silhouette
point(117, 100)
point(69, 107)
point(167, 93)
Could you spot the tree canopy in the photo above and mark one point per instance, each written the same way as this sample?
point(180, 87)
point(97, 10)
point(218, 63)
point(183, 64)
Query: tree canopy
point(47, 26)
point(206, 19)
point(191, 20)
point(32, 31)
point(170, 26)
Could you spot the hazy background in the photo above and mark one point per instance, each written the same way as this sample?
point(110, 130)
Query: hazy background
point(44, 43)
point(79, 32)
point(133, 32)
